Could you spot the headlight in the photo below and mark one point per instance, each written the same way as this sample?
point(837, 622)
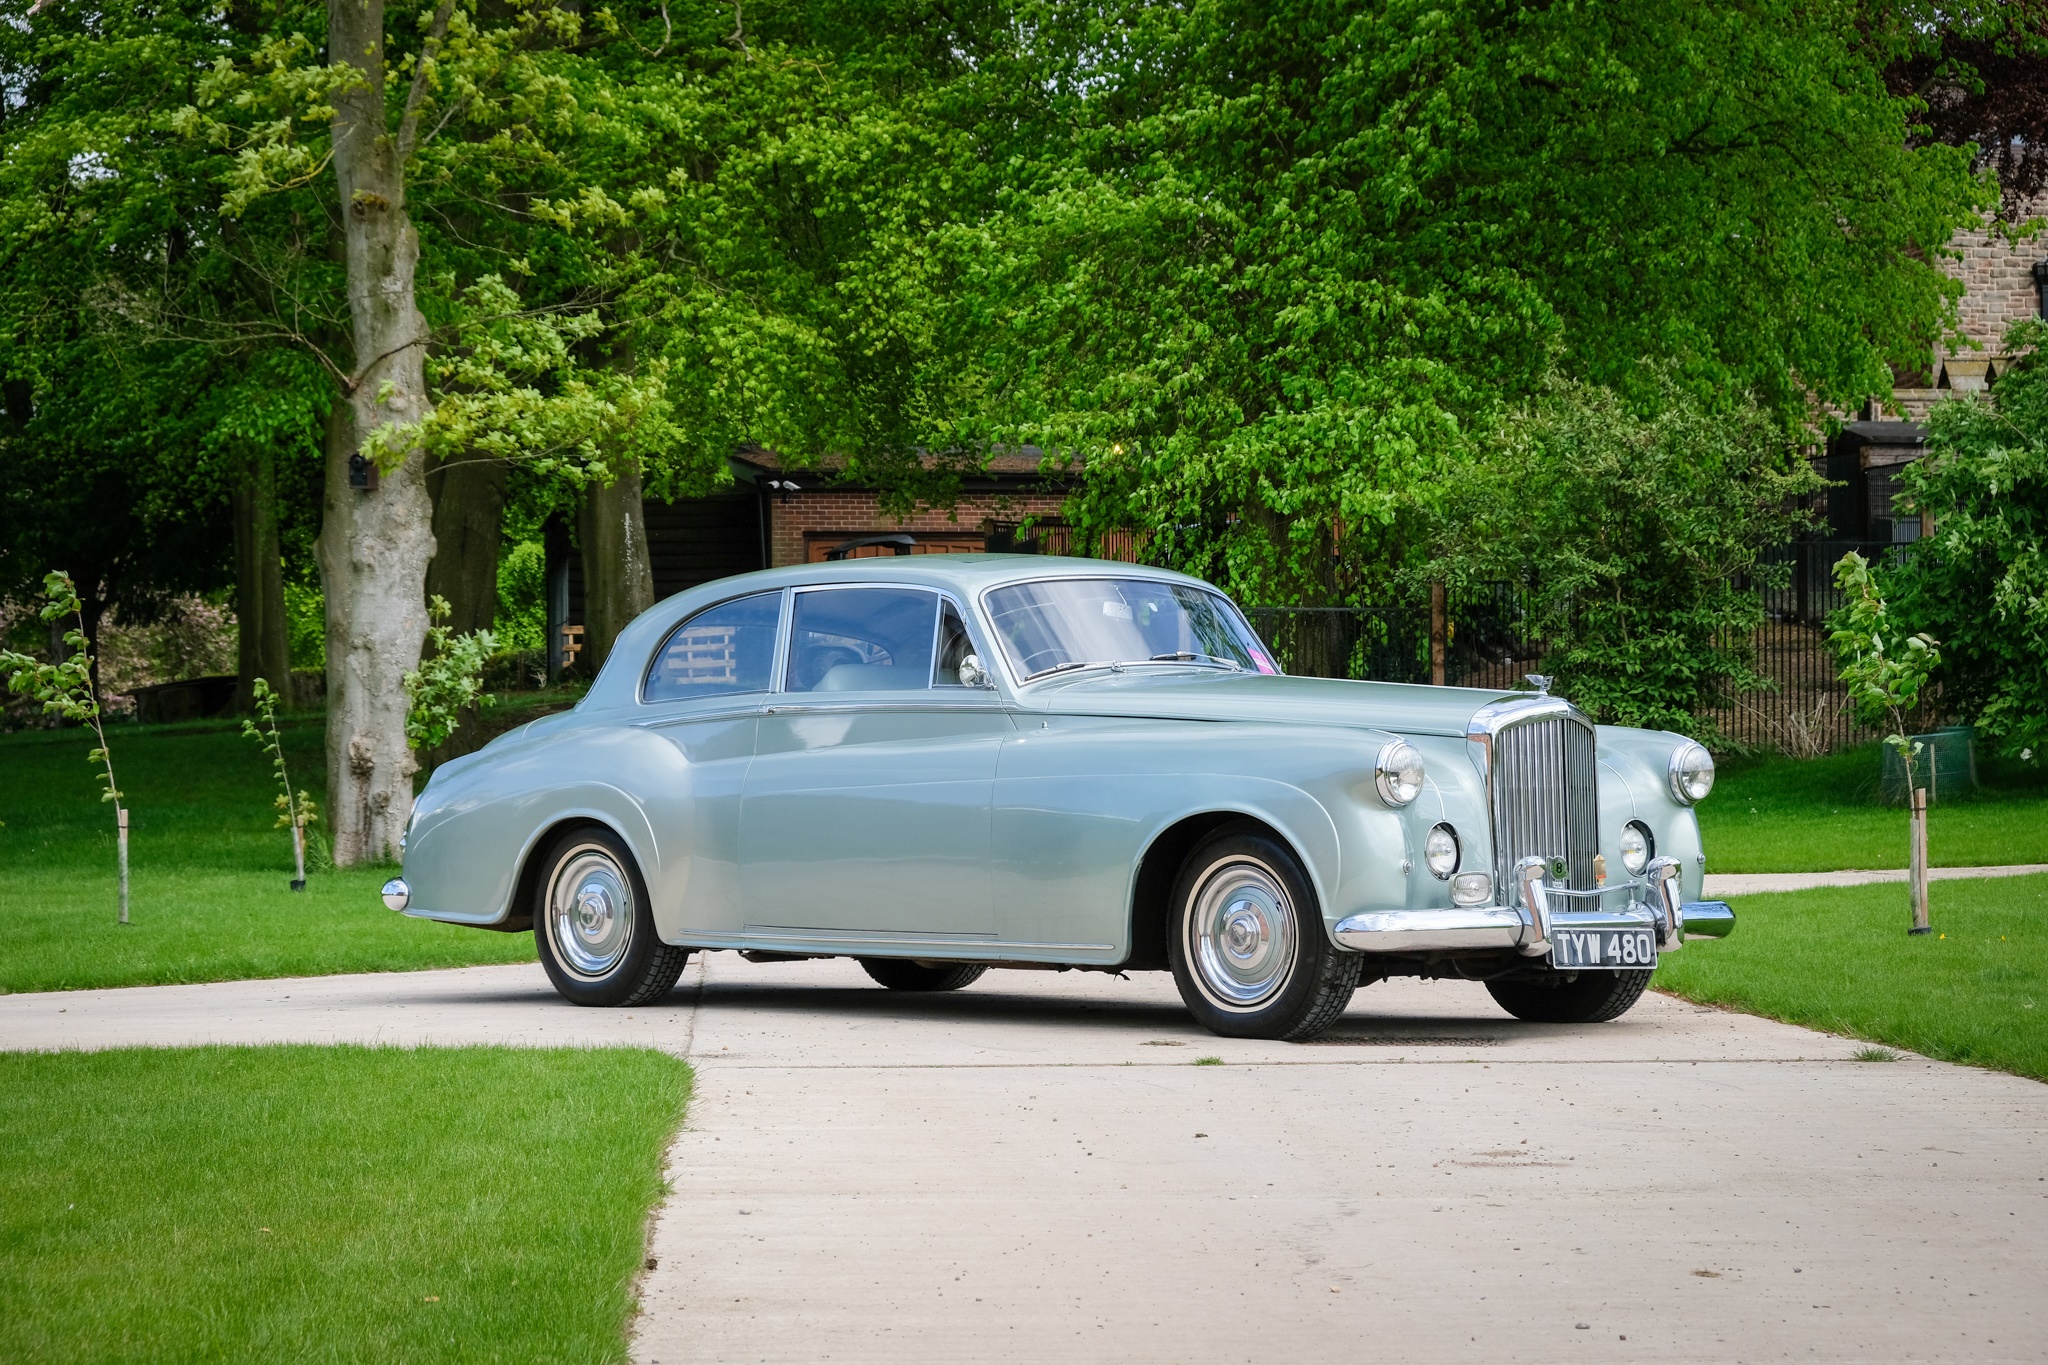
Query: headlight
point(1440, 851)
point(1399, 772)
point(1638, 846)
point(1692, 773)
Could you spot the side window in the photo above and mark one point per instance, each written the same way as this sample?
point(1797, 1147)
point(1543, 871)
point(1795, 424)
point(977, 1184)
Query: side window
point(727, 648)
point(862, 640)
point(954, 645)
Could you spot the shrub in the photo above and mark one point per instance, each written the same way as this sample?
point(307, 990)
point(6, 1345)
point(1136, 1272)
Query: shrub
point(1643, 535)
point(1979, 584)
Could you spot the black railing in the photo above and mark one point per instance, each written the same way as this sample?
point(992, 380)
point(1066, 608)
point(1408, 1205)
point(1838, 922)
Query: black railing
point(1489, 638)
point(1489, 641)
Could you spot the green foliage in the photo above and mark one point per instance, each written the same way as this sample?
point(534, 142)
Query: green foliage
point(65, 688)
point(1642, 539)
point(1272, 270)
point(1884, 668)
point(1980, 581)
point(522, 620)
point(294, 812)
point(305, 625)
point(449, 680)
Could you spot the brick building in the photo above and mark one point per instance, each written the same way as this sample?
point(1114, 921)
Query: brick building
point(2003, 284)
point(775, 515)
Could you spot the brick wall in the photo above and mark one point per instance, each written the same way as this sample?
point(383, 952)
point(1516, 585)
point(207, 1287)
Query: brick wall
point(857, 513)
point(1998, 276)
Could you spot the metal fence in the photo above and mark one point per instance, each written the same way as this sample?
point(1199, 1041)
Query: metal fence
point(1490, 642)
point(1489, 637)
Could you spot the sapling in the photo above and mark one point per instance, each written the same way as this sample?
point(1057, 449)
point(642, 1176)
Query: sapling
point(448, 681)
point(298, 811)
point(65, 688)
point(1885, 672)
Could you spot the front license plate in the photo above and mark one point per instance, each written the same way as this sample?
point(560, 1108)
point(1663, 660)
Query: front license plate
point(1603, 949)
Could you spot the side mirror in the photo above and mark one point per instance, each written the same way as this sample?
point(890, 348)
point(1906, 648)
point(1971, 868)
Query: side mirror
point(972, 674)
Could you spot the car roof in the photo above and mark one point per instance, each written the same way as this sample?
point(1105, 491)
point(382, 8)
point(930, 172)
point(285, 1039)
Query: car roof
point(964, 575)
point(968, 573)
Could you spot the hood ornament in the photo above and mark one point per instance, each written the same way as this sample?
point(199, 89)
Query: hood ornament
point(1539, 682)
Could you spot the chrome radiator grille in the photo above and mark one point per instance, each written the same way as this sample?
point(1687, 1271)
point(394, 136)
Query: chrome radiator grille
point(1544, 790)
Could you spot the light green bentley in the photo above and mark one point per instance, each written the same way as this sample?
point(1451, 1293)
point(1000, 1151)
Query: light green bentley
point(942, 764)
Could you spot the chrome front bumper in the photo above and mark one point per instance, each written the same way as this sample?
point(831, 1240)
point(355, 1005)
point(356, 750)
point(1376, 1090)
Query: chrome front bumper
point(1650, 902)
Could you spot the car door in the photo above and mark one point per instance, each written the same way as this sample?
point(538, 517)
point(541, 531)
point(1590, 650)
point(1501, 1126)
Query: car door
point(703, 693)
point(866, 813)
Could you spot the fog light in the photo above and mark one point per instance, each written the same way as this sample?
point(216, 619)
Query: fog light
point(1471, 888)
point(397, 895)
point(1638, 846)
point(1440, 850)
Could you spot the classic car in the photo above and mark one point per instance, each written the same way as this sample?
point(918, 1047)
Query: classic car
point(940, 764)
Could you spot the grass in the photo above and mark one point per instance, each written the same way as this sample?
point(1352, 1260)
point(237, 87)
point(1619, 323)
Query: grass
point(1839, 959)
point(1822, 814)
point(209, 896)
point(328, 1204)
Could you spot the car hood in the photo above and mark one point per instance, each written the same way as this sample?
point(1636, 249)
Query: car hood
point(1211, 695)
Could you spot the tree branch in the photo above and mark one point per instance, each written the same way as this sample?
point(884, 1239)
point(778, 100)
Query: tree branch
point(409, 126)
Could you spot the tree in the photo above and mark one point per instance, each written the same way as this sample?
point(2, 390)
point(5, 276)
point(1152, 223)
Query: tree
point(1641, 540)
point(1886, 670)
point(1979, 583)
point(65, 688)
point(1272, 271)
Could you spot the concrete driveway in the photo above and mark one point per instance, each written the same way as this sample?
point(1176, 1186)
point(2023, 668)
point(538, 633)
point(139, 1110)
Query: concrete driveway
point(1036, 1168)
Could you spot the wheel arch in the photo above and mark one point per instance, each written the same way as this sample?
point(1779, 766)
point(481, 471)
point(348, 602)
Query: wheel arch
point(526, 884)
point(1159, 868)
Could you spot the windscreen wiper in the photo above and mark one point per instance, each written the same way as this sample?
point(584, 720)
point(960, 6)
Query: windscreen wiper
point(1186, 657)
point(1068, 667)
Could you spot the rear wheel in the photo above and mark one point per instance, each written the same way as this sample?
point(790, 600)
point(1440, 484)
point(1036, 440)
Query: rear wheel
point(592, 925)
point(1590, 998)
point(1248, 950)
point(901, 974)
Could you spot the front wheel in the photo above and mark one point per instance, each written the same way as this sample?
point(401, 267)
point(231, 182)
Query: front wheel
point(1248, 950)
point(1590, 998)
point(592, 925)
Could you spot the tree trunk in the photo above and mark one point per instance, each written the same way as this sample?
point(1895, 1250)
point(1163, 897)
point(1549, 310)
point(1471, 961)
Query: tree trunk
point(469, 524)
point(618, 579)
point(262, 649)
point(375, 542)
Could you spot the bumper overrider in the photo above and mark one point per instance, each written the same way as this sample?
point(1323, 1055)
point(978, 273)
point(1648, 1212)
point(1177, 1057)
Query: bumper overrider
point(1647, 902)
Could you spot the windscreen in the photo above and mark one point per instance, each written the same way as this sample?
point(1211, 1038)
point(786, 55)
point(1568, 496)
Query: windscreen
point(1066, 623)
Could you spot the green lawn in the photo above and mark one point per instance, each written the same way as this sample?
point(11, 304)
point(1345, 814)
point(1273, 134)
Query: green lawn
point(1975, 990)
point(328, 1204)
point(1822, 814)
point(209, 895)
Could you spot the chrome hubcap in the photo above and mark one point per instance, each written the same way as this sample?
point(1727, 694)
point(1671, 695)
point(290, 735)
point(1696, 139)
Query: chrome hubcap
point(590, 913)
point(1241, 936)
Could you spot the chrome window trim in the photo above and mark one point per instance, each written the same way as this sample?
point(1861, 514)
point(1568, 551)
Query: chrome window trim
point(988, 619)
point(781, 634)
point(786, 631)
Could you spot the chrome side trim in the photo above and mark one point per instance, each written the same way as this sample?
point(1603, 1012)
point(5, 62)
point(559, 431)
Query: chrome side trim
point(862, 941)
point(879, 702)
